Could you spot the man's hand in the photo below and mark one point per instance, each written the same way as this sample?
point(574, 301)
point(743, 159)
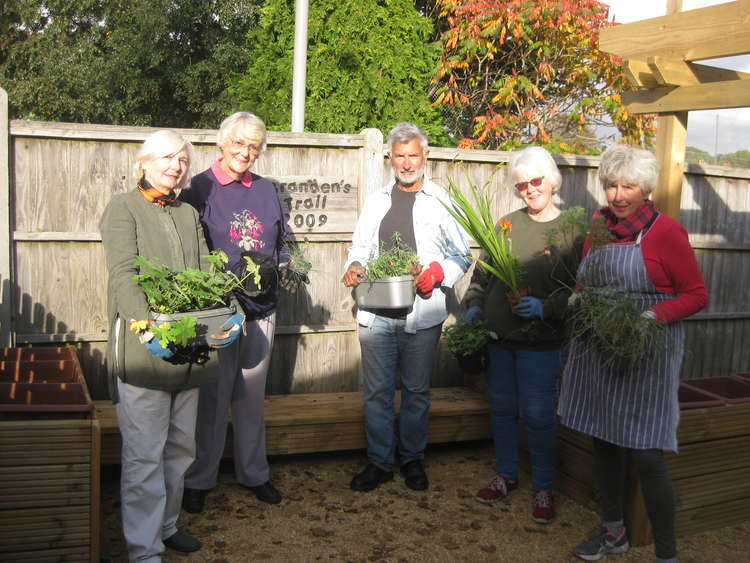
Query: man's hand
point(429, 279)
point(354, 275)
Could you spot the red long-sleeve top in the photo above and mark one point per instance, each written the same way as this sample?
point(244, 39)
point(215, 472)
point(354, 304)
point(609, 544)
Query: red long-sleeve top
point(672, 268)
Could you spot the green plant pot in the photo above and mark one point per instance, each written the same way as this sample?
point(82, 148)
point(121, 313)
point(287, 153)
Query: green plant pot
point(388, 293)
point(209, 322)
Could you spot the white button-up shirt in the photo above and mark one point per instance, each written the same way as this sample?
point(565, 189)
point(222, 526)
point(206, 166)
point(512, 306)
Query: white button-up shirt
point(439, 239)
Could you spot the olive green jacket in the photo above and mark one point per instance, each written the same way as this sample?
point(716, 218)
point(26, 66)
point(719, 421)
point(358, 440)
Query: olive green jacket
point(547, 272)
point(172, 236)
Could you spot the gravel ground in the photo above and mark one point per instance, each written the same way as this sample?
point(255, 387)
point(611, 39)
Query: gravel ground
point(321, 519)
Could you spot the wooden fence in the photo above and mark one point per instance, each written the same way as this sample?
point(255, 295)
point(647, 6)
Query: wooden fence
point(56, 179)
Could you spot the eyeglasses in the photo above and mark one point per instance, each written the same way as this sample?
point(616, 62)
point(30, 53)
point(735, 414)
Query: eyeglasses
point(239, 146)
point(536, 182)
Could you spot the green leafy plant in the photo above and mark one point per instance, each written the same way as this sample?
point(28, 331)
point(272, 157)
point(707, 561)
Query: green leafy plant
point(179, 291)
point(615, 326)
point(398, 260)
point(494, 240)
point(465, 339)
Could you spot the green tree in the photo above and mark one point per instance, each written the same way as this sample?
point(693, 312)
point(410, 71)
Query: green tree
point(135, 62)
point(368, 65)
point(514, 72)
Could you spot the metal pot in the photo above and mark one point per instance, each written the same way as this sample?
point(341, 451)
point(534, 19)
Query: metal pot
point(209, 322)
point(387, 293)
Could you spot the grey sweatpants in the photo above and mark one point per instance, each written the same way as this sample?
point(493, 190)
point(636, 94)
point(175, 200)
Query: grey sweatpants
point(158, 445)
point(241, 386)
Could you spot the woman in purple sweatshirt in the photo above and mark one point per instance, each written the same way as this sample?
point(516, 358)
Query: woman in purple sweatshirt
point(240, 213)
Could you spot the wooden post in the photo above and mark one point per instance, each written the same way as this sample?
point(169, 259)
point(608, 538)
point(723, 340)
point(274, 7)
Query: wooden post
point(671, 141)
point(372, 164)
point(6, 241)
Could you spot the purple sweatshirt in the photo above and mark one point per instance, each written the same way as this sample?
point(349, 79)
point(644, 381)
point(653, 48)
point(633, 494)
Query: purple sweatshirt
point(239, 216)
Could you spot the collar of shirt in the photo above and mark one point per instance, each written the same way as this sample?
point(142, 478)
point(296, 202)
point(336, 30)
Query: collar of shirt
point(225, 179)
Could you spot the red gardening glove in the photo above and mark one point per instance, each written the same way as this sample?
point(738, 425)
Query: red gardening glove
point(429, 280)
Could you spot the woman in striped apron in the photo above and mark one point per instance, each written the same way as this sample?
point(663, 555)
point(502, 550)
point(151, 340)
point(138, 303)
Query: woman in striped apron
point(633, 409)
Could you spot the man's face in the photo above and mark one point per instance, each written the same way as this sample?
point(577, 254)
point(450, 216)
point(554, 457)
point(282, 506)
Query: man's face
point(408, 160)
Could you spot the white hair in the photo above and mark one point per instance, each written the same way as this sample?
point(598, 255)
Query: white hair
point(162, 143)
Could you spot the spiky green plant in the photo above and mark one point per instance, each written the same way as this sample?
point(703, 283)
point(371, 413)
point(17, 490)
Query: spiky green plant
point(495, 240)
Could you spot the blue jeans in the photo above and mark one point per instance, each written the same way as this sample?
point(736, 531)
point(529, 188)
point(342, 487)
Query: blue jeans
point(523, 383)
point(386, 348)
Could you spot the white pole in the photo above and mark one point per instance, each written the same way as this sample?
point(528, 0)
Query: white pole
point(299, 76)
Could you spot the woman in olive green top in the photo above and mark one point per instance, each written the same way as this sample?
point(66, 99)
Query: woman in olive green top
point(523, 366)
point(156, 399)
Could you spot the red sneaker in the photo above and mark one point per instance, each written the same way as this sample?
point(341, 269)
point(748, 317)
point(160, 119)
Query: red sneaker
point(497, 489)
point(544, 509)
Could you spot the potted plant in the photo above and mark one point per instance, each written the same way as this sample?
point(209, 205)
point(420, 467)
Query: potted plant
point(188, 305)
point(390, 277)
point(467, 341)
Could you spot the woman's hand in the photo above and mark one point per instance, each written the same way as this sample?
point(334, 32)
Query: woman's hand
point(154, 347)
point(530, 308)
point(231, 330)
point(473, 314)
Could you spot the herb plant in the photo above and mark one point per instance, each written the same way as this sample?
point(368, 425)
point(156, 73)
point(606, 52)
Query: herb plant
point(179, 291)
point(616, 327)
point(464, 338)
point(494, 240)
point(398, 260)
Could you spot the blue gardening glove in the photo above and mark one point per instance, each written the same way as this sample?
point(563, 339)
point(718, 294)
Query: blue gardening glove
point(230, 331)
point(154, 347)
point(473, 314)
point(530, 308)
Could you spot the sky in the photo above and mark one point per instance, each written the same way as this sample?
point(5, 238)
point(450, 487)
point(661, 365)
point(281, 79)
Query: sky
point(727, 130)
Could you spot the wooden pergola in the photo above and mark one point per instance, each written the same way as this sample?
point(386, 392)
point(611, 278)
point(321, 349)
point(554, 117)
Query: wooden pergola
point(660, 54)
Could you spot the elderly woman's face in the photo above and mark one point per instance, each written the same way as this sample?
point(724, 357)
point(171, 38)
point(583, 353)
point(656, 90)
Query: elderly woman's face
point(165, 173)
point(535, 190)
point(624, 198)
point(239, 154)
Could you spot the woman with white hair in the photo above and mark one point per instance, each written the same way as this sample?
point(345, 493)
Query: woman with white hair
point(633, 411)
point(156, 395)
point(242, 216)
point(523, 366)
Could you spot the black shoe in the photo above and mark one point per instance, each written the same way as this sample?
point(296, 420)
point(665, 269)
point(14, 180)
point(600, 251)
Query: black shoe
point(267, 493)
point(370, 478)
point(180, 541)
point(414, 475)
point(193, 500)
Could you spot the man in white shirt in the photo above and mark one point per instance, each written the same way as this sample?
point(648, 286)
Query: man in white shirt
point(403, 340)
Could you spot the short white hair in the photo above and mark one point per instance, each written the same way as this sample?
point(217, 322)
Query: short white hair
point(162, 143)
point(405, 132)
point(246, 125)
point(536, 161)
point(623, 163)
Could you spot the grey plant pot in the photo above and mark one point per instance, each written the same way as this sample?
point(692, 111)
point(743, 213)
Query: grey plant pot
point(387, 293)
point(209, 322)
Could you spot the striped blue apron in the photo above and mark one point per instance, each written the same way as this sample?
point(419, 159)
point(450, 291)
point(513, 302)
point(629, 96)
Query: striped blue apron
point(634, 407)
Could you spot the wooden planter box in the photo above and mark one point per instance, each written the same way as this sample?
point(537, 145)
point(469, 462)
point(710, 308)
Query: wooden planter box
point(49, 467)
point(710, 475)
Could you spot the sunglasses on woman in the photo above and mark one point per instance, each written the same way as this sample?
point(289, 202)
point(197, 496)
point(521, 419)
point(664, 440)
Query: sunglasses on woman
point(536, 182)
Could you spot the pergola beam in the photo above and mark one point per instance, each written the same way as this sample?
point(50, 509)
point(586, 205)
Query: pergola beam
point(717, 31)
point(668, 99)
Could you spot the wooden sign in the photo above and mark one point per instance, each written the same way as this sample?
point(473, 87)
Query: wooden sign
point(318, 204)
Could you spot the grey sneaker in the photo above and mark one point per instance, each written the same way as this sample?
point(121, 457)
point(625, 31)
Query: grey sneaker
point(605, 543)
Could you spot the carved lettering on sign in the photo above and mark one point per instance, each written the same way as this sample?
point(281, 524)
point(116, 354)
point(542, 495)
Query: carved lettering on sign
point(318, 204)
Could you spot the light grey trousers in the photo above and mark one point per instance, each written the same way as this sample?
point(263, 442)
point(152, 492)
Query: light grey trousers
point(241, 386)
point(158, 446)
